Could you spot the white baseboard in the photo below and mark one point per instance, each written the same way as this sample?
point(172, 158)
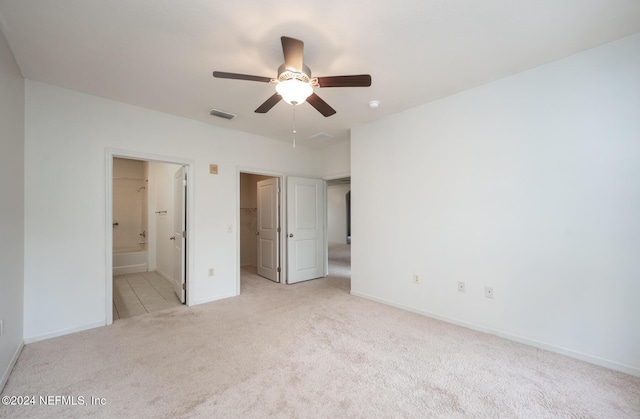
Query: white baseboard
point(7, 372)
point(63, 332)
point(627, 369)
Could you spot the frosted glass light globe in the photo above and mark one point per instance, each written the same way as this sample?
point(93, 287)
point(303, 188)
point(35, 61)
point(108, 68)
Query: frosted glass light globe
point(293, 91)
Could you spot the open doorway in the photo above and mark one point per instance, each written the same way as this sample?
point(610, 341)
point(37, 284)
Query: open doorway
point(147, 247)
point(260, 226)
point(339, 226)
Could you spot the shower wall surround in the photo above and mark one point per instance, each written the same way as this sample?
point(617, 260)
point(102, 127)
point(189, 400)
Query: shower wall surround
point(130, 191)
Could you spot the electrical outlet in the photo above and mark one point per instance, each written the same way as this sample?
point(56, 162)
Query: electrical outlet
point(210, 271)
point(488, 292)
point(461, 287)
point(416, 279)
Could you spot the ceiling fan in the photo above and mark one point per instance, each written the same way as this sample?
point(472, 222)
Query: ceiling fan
point(294, 83)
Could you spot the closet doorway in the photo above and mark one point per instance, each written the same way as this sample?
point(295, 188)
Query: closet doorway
point(260, 217)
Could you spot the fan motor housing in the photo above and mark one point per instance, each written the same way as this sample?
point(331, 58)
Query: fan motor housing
point(303, 76)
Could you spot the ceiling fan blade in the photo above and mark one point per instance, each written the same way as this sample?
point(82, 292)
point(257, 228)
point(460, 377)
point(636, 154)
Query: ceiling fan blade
point(361, 80)
point(320, 105)
point(236, 76)
point(269, 103)
point(293, 50)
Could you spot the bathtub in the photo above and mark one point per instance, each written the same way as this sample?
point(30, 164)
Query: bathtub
point(128, 261)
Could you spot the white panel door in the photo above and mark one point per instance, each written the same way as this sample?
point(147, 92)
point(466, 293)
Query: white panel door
point(179, 211)
point(305, 229)
point(267, 234)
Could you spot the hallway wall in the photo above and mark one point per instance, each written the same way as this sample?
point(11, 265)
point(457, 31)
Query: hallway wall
point(12, 208)
point(337, 213)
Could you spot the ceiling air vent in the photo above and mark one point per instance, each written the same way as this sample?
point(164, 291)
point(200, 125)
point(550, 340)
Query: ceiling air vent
point(222, 114)
point(321, 136)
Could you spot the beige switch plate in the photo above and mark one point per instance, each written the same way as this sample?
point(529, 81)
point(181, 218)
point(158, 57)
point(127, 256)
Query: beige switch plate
point(213, 169)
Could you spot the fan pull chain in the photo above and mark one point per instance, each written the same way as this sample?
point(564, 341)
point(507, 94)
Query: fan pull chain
point(294, 127)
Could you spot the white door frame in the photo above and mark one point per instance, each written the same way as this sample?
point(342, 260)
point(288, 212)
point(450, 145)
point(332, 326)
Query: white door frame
point(179, 233)
point(109, 156)
point(282, 219)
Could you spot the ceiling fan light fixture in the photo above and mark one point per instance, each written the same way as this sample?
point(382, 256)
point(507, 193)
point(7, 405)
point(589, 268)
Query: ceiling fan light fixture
point(294, 91)
point(294, 83)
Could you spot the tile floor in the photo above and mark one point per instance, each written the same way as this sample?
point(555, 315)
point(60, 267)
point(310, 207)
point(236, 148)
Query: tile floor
point(141, 293)
point(146, 292)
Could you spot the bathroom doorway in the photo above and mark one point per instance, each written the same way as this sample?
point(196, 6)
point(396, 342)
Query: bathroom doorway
point(130, 216)
point(149, 223)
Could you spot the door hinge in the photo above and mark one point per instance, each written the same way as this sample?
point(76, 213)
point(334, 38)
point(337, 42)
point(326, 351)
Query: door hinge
point(278, 269)
point(278, 189)
point(184, 235)
point(278, 229)
point(184, 182)
point(184, 286)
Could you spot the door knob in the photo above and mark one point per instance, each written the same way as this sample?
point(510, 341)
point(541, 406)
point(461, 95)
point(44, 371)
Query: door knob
point(172, 238)
point(291, 235)
point(257, 233)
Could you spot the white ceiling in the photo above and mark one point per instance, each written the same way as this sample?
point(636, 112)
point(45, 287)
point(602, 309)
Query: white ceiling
point(160, 54)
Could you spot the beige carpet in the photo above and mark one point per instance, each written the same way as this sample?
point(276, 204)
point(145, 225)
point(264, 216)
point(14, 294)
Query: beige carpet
point(309, 350)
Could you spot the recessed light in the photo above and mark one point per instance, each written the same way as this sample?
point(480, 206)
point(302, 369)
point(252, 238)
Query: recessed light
point(374, 104)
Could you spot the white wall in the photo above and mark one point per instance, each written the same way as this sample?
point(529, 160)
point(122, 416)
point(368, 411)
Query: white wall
point(336, 160)
point(161, 179)
point(11, 208)
point(530, 185)
point(66, 135)
point(337, 213)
